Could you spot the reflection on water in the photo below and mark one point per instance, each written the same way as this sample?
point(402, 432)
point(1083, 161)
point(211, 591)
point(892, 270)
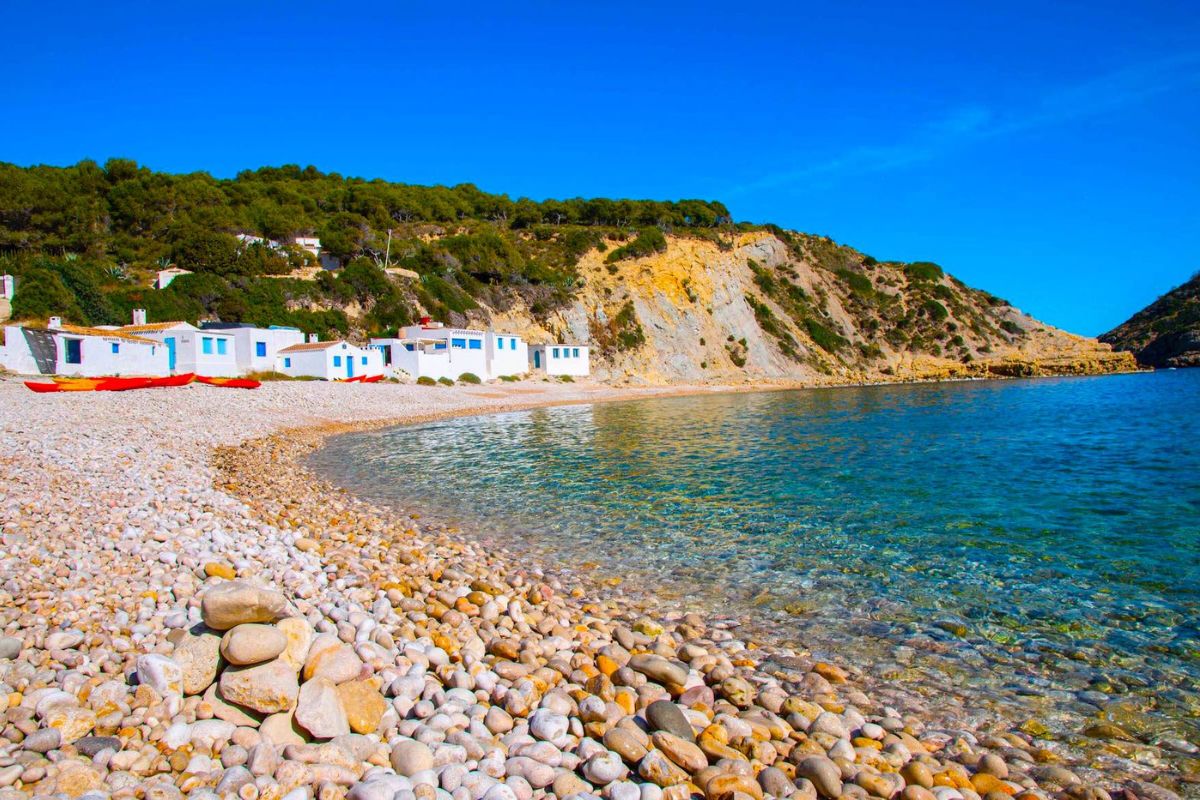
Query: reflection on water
point(1027, 538)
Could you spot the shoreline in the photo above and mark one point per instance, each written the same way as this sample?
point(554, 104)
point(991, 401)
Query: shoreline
point(211, 499)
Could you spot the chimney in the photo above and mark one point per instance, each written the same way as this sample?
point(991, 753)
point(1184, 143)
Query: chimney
point(55, 323)
point(139, 316)
point(425, 320)
point(312, 337)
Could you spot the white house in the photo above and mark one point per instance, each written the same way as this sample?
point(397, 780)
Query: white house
point(8, 287)
point(561, 359)
point(165, 276)
point(60, 349)
point(256, 348)
point(189, 349)
point(432, 350)
point(330, 361)
point(310, 243)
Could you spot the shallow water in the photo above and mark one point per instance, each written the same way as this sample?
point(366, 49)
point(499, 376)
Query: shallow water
point(1034, 543)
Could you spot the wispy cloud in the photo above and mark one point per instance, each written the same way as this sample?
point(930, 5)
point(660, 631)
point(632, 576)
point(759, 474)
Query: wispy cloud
point(978, 122)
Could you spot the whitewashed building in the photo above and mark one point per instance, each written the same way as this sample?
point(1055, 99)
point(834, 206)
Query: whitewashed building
point(432, 350)
point(165, 276)
point(8, 287)
point(61, 349)
point(310, 243)
point(189, 349)
point(330, 361)
point(561, 359)
point(255, 349)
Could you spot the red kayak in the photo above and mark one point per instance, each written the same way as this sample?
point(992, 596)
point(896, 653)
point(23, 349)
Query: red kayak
point(172, 380)
point(230, 383)
point(373, 379)
point(42, 388)
point(355, 379)
point(89, 385)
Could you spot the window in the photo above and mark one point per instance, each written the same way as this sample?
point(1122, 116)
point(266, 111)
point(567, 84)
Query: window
point(556, 352)
point(206, 345)
point(409, 347)
point(74, 351)
point(260, 349)
point(364, 360)
point(287, 363)
point(440, 346)
point(337, 361)
point(574, 352)
point(221, 347)
point(459, 343)
point(475, 344)
point(116, 348)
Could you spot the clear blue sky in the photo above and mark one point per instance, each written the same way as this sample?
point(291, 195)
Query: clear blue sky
point(1047, 152)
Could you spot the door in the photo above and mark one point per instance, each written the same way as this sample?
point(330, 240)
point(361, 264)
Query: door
point(537, 359)
point(170, 342)
point(74, 351)
point(349, 366)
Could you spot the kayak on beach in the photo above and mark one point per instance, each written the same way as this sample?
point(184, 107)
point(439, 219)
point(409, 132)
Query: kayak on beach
point(229, 383)
point(61, 384)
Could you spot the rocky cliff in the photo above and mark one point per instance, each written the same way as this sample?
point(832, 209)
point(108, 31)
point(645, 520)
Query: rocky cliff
point(775, 306)
point(1165, 333)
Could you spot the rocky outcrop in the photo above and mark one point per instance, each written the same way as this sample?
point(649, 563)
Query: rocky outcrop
point(1167, 332)
point(773, 306)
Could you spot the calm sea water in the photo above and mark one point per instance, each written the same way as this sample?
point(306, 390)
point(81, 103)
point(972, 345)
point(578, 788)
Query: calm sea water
point(1036, 542)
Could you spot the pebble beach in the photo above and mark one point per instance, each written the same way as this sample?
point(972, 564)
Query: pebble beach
point(185, 610)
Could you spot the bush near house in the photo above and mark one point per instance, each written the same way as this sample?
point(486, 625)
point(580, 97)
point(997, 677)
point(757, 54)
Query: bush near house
point(468, 377)
point(425, 380)
point(445, 381)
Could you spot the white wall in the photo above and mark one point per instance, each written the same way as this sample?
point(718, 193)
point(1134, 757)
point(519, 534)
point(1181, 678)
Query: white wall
point(339, 361)
point(246, 341)
point(508, 354)
point(97, 357)
point(189, 350)
point(428, 361)
point(562, 359)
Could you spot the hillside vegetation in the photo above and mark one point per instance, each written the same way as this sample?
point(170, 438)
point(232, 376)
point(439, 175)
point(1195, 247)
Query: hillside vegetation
point(1165, 333)
point(663, 291)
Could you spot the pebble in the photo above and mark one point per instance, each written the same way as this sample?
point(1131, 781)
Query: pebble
point(252, 643)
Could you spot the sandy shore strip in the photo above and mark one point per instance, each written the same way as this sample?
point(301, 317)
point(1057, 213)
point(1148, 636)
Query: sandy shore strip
point(184, 610)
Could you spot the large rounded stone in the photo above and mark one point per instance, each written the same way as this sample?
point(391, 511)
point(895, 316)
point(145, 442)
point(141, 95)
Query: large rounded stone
point(199, 657)
point(161, 674)
point(659, 669)
point(410, 757)
point(680, 750)
point(329, 657)
point(823, 773)
point(268, 688)
point(238, 602)
point(363, 704)
point(10, 647)
point(252, 643)
point(319, 711)
point(299, 635)
point(663, 715)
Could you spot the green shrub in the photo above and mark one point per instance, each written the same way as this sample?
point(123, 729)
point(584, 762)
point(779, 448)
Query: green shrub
point(923, 271)
point(445, 381)
point(510, 378)
point(425, 380)
point(566, 379)
point(823, 337)
point(1011, 327)
point(936, 311)
point(468, 377)
point(648, 242)
point(859, 284)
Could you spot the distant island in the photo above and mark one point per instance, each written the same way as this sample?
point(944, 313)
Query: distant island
point(662, 291)
point(1165, 333)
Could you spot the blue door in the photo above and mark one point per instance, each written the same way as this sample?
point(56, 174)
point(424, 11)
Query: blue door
point(170, 342)
point(537, 359)
point(349, 366)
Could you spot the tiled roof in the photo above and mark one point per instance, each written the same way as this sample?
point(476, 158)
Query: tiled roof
point(296, 348)
point(79, 330)
point(151, 326)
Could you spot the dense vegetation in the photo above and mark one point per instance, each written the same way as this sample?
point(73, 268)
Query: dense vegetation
point(86, 240)
point(1165, 333)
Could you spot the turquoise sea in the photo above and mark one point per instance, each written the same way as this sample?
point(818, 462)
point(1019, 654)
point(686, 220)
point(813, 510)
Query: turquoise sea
point(1032, 543)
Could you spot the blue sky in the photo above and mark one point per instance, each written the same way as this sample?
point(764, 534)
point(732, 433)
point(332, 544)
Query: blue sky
point(1049, 153)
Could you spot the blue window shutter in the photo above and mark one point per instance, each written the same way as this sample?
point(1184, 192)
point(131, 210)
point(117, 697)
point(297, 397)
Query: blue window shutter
point(575, 353)
point(476, 344)
point(287, 362)
point(337, 361)
point(260, 349)
point(220, 347)
point(116, 348)
point(364, 359)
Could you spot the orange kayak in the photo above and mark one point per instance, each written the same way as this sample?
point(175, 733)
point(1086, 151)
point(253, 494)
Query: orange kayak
point(230, 383)
point(89, 385)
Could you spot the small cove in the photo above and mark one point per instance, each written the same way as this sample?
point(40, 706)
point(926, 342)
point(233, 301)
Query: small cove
point(1032, 545)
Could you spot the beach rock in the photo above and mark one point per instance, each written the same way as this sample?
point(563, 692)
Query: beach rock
point(199, 658)
point(680, 750)
point(222, 709)
point(663, 715)
point(281, 730)
point(823, 773)
point(42, 741)
point(604, 768)
point(547, 725)
point(267, 688)
point(72, 722)
point(10, 647)
point(410, 757)
point(660, 770)
point(91, 745)
point(233, 603)
point(732, 786)
point(161, 674)
point(299, 635)
point(252, 643)
point(625, 744)
point(1151, 791)
point(319, 711)
point(74, 778)
point(363, 705)
point(658, 669)
point(329, 658)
